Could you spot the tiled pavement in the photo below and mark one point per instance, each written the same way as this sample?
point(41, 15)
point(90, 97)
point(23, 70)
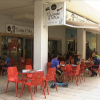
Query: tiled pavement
point(89, 90)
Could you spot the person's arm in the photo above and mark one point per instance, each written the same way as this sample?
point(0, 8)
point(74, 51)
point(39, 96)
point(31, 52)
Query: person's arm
point(58, 66)
point(5, 62)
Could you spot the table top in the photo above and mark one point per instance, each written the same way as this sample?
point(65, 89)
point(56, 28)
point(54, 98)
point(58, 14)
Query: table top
point(73, 65)
point(29, 71)
point(63, 65)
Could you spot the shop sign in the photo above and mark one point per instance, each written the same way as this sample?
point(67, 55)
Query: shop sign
point(55, 14)
point(10, 28)
point(74, 17)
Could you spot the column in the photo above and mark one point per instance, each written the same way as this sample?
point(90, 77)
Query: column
point(23, 47)
point(40, 38)
point(98, 43)
point(81, 42)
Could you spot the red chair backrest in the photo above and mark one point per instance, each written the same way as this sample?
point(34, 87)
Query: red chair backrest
point(29, 61)
point(51, 74)
point(48, 65)
point(38, 78)
point(72, 61)
point(12, 61)
point(22, 60)
point(29, 67)
point(62, 62)
point(77, 70)
point(82, 60)
point(70, 57)
point(12, 72)
point(99, 67)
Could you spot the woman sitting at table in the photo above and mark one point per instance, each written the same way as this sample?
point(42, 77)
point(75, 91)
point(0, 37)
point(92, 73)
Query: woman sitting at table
point(77, 60)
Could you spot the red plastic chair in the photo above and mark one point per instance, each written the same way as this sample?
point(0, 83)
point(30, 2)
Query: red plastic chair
point(29, 61)
point(97, 70)
point(22, 63)
point(28, 67)
point(72, 61)
point(13, 77)
point(37, 80)
point(82, 71)
point(82, 60)
point(51, 76)
point(48, 65)
point(70, 57)
point(74, 74)
point(62, 62)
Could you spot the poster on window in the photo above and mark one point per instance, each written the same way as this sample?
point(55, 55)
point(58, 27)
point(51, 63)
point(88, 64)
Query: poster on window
point(55, 14)
point(93, 42)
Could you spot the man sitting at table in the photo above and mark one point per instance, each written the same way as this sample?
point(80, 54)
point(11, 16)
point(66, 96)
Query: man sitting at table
point(6, 62)
point(59, 72)
point(96, 64)
point(97, 55)
point(77, 60)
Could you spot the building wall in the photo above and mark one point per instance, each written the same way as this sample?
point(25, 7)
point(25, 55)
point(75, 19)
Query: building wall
point(58, 33)
point(4, 19)
point(91, 39)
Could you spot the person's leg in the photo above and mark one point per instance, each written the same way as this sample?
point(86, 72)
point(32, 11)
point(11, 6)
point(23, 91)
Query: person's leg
point(93, 72)
point(90, 72)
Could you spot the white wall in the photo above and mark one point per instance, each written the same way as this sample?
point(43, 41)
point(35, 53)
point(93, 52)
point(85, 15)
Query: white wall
point(58, 32)
point(4, 19)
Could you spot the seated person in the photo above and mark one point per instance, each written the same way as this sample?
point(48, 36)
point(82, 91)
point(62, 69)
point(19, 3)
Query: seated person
point(77, 60)
point(5, 63)
point(68, 67)
point(97, 55)
point(7, 60)
point(59, 72)
point(96, 64)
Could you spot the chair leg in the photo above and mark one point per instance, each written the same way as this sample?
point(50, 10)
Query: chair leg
point(99, 72)
point(79, 78)
point(16, 85)
point(31, 93)
point(84, 77)
point(76, 81)
point(28, 89)
point(72, 78)
point(21, 90)
point(44, 91)
point(47, 87)
point(34, 90)
point(56, 85)
point(7, 87)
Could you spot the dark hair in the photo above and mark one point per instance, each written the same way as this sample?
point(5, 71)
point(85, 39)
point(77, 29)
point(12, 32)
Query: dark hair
point(5, 54)
point(67, 62)
point(56, 55)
